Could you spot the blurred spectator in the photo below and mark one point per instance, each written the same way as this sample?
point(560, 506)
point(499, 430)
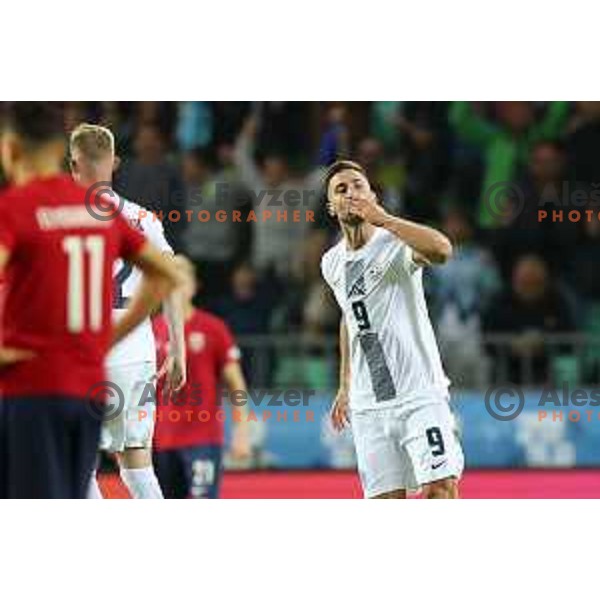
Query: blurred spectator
point(74, 114)
point(505, 144)
point(153, 182)
point(426, 150)
point(542, 188)
point(335, 139)
point(248, 308)
point(461, 291)
point(215, 243)
point(277, 200)
point(384, 181)
point(583, 263)
point(284, 130)
point(195, 125)
point(383, 124)
point(228, 120)
point(162, 114)
point(583, 275)
point(532, 309)
point(583, 142)
point(111, 116)
point(307, 303)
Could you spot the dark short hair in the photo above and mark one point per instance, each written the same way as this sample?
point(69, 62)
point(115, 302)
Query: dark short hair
point(37, 123)
point(202, 156)
point(150, 125)
point(337, 167)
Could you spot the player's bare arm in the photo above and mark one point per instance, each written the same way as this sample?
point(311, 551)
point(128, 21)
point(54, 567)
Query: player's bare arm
point(429, 245)
point(173, 309)
point(240, 441)
point(160, 278)
point(9, 356)
point(340, 409)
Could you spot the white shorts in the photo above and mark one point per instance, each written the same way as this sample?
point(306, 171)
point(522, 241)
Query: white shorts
point(129, 421)
point(404, 447)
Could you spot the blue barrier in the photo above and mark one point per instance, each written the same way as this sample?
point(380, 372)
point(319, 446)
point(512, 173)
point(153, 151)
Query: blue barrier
point(305, 440)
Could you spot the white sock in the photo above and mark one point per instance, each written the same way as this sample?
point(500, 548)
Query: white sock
point(94, 492)
point(142, 483)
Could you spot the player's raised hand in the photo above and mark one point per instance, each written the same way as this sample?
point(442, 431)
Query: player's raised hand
point(10, 356)
point(340, 412)
point(368, 208)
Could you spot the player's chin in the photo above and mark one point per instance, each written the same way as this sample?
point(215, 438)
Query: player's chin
point(350, 219)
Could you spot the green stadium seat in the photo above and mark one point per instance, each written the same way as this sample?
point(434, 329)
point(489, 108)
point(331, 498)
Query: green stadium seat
point(566, 369)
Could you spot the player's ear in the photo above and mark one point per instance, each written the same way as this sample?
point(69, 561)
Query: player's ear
point(116, 163)
point(331, 209)
point(375, 195)
point(12, 150)
point(329, 206)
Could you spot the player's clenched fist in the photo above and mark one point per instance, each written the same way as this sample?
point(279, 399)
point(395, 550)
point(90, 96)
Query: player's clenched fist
point(340, 411)
point(368, 208)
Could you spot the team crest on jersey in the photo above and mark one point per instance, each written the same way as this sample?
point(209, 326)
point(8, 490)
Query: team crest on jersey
point(358, 288)
point(196, 341)
point(376, 272)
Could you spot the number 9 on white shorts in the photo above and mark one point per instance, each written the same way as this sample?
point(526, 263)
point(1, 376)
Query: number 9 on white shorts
point(405, 447)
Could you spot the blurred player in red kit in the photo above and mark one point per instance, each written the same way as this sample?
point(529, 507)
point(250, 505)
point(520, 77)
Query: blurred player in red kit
point(56, 261)
point(189, 434)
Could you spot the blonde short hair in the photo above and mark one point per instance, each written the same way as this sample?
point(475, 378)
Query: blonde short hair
point(93, 141)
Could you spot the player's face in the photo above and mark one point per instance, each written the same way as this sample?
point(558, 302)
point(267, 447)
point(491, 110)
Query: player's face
point(343, 188)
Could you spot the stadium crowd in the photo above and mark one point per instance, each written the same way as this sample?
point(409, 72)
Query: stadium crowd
point(519, 286)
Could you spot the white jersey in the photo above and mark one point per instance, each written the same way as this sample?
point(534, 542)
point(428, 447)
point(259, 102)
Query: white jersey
point(139, 345)
point(394, 358)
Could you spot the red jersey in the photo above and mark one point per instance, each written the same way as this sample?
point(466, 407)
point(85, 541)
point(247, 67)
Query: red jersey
point(57, 286)
point(192, 419)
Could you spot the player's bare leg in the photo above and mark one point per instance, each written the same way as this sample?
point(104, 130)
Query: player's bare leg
point(393, 495)
point(445, 489)
point(94, 491)
point(137, 472)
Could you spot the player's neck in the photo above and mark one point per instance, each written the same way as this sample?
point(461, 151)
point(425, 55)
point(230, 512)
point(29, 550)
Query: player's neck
point(188, 311)
point(357, 235)
point(96, 180)
point(35, 168)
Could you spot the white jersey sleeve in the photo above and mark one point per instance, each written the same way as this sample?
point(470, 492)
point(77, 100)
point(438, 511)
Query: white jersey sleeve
point(155, 232)
point(404, 259)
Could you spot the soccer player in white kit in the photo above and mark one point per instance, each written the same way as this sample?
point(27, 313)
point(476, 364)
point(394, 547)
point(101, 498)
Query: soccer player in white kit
point(393, 389)
point(131, 365)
